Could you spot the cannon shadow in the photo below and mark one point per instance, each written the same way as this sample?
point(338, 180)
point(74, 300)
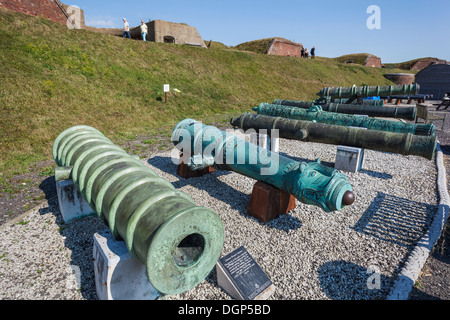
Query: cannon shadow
point(397, 220)
point(221, 191)
point(78, 238)
point(343, 280)
point(48, 187)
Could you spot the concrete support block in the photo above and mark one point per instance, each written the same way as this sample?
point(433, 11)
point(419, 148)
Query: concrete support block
point(349, 159)
point(259, 139)
point(118, 276)
point(71, 203)
point(274, 144)
point(265, 141)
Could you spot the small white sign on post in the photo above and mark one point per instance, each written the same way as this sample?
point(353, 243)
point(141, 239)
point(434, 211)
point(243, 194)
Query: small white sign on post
point(166, 89)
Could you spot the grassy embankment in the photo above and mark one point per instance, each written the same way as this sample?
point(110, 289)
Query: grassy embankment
point(53, 78)
point(406, 65)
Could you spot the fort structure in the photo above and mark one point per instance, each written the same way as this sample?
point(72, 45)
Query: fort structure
point(424, 63)
point(283, 47)
point(158, 30)
point(373, 61)
point(364, 59)
point(170, 32)
point(272, 46)
point(50, 9)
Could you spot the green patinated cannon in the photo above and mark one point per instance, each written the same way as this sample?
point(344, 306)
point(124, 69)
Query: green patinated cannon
point(178, 241)
point(407, 113)
point(318, 115)
point(366, 102)
point(320, 102)
point(308, 131)
point(311, 183)
point(358, 93)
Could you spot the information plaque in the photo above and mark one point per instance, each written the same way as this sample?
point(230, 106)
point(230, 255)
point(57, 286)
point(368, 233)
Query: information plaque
point(242, 278)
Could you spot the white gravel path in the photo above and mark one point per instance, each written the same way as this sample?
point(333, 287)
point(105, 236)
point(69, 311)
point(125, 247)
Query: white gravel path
point(355, 253)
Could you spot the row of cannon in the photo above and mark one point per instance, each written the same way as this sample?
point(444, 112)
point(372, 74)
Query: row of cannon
point(180, 242)
point(380, 128)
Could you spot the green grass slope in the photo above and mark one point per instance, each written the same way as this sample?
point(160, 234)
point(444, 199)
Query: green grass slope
point(258, 46)
point(53, 78)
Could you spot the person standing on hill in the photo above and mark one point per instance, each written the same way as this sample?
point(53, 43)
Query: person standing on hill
point(306, 53)
point(313, 53)
point(126, 29)
point(144, 30)
point(302, 52)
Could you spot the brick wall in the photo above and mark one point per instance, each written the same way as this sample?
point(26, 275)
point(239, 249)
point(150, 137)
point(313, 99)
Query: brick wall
point(44, 8)
point(373, 61)
point(400, 78)
point(282, 48)
point(424, 63)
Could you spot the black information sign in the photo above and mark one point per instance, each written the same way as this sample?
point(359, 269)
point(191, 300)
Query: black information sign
point(246, 275)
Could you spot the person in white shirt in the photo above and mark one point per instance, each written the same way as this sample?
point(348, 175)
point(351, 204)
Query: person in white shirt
point(144, 30)
point(126, 29)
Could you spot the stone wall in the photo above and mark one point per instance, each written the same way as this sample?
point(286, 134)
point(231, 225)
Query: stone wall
point(76, 15)
point(284, 48)
point(400, 78)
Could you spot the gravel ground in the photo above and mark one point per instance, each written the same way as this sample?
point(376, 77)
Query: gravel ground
point(434, 280)
point(307, 253)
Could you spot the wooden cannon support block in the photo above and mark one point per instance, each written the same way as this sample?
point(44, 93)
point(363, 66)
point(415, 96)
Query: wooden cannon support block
point(184, 172)
point(409, 99)
point(267, 202)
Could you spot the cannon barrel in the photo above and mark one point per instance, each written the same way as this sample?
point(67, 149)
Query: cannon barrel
point(368, 91)
point(178, 241)
point(366, 102)
point(407, 97)
point(311, 183)
point(304, 104)
point(407, 113)
point(318, 115)
point(308, 131)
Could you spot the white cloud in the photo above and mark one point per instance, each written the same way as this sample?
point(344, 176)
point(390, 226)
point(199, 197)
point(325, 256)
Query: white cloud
point(100, 22)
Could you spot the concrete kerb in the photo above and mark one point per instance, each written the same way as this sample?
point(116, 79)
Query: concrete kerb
point(411, 270)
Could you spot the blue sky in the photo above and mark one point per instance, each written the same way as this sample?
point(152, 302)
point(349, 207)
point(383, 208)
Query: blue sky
point(410, 29)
